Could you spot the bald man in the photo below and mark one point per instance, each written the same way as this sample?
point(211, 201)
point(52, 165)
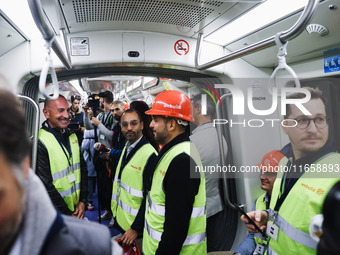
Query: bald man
point(60, 164)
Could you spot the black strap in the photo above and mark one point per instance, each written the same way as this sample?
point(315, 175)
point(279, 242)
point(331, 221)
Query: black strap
point(95, 134)
point(55, 228)
point(127, 158)
point(285, 187)
point(105, 119)
point(122, 165)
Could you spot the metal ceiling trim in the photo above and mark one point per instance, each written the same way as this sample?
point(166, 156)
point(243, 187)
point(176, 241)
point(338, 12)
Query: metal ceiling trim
point(9, 21)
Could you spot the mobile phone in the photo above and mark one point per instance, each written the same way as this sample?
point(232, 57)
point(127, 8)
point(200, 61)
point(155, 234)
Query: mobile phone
point(249, 219)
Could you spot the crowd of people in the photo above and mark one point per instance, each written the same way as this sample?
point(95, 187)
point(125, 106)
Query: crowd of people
point(143, 163)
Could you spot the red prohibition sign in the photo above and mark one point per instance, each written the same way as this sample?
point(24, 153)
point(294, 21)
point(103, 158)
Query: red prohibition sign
point(181, 46)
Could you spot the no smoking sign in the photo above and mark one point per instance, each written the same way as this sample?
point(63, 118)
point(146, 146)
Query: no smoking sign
point(181, 47)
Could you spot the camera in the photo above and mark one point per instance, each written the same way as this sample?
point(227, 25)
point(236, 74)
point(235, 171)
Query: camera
point(93, 103)
point(73, 126)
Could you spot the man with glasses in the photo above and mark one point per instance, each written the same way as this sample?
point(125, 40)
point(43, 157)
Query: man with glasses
point(128, 198)
point(298, 195)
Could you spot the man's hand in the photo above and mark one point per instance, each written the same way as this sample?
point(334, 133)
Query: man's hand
point(95, 121)
point(129, 236)
point(107, 154)
point(259, 217)
point(79, 212)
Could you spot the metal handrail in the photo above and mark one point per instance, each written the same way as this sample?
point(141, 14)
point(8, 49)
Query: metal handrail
point(36, 129)
point(285, 36)
point(46, 31)
point(221, 146)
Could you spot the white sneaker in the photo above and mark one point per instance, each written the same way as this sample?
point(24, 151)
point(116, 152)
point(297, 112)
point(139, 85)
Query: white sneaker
point(112, 222)
point(107, 215)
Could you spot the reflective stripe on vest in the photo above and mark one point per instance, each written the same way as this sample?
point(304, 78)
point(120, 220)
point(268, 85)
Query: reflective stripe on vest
point(128, 189)
point(71, 190)
point(127, 192)
point(271, 251)
point(65, 172)
point(160, 210)
point(124, 206)
point(60, 168)
point(292, 232)
point(195, 242)
point(261, 204)
point(302, 203)
point(193, 239)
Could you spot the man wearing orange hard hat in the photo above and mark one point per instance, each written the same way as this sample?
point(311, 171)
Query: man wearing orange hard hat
point(269, 167)
point(175, 218)
point(254, 244)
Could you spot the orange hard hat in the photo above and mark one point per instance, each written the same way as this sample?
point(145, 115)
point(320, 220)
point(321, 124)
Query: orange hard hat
point(171, 103)
point(270, 161)
point(129, 249)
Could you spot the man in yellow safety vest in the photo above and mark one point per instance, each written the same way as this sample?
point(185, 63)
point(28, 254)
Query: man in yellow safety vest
point(128, 199)
point(303, 180)
point(60, 164)
point(175, 218)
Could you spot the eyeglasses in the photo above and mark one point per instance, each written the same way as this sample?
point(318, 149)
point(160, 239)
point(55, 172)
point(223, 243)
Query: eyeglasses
point(125, 124)
point(319, 122)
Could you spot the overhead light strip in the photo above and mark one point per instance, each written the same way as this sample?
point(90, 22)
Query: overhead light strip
point(264, 14)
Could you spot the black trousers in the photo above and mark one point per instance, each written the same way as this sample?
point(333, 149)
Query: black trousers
point(105, 181)
point(215, 232)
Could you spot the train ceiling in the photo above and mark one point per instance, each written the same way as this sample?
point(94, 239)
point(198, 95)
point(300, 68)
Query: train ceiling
point(188, 17)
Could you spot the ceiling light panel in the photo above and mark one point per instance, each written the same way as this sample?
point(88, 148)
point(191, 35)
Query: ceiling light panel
point(262, 15)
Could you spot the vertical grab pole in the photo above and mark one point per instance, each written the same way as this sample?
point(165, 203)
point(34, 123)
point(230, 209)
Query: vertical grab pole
point(223, 161)
point(36, 129)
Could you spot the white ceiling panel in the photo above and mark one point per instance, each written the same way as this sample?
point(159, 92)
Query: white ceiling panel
point(10, 35)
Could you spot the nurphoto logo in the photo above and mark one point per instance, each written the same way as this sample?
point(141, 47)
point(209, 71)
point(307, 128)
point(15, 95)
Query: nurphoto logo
point(238, 100)
point(238, 103)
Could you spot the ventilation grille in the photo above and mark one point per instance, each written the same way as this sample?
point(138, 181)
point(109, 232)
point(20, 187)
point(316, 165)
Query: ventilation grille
point(317, 28)
point(185, 14)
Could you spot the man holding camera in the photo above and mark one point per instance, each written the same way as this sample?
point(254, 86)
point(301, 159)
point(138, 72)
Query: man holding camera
point(77, 118)
point(104, 122)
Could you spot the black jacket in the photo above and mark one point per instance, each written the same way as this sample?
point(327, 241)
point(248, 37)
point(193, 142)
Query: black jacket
point(44, 172)
point(181, 185)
